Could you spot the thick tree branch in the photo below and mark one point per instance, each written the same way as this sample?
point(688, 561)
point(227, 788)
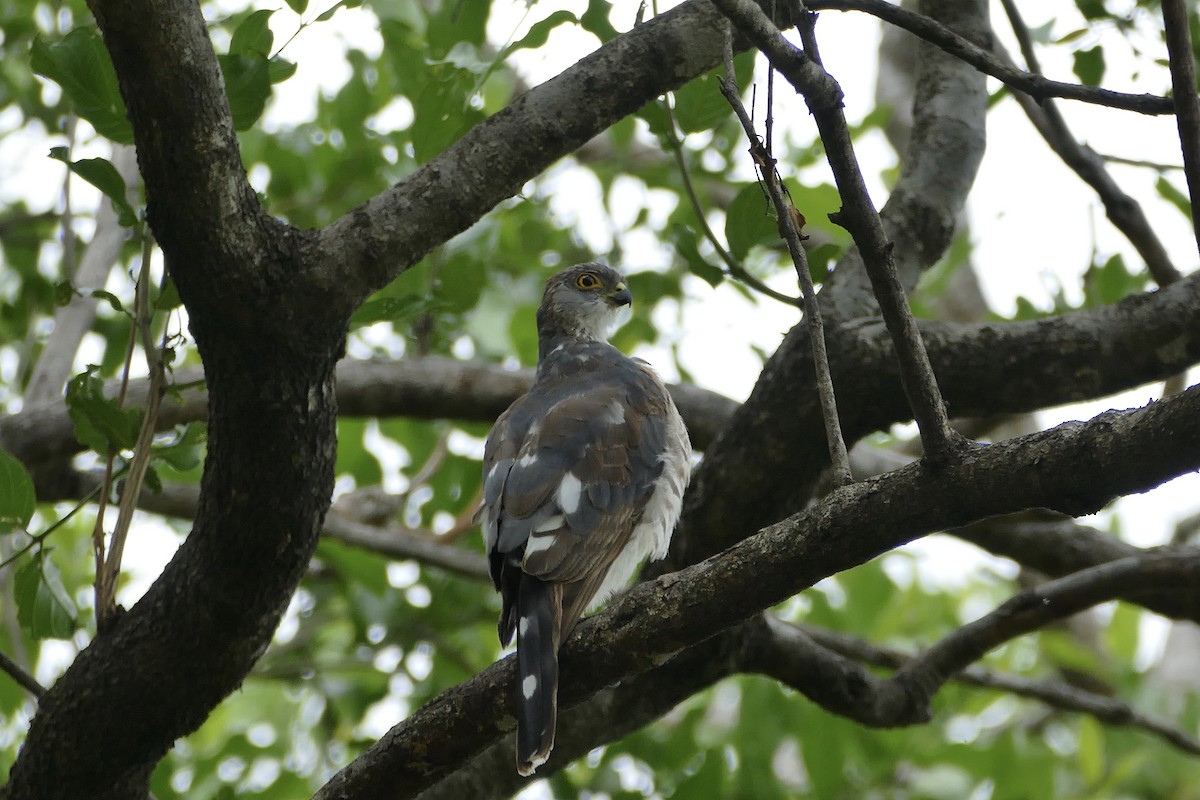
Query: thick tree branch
point(176, 500)
point(1037, 86)
point(429, 387)
point(1077, 356)
point(1076, 468)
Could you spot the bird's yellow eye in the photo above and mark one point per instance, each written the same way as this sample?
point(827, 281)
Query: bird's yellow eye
point(587, 281)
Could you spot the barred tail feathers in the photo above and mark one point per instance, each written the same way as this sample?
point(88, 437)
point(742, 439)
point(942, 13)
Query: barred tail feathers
point(539, 615)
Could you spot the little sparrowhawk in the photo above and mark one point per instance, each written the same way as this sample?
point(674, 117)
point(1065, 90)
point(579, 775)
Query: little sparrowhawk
point(583, 479)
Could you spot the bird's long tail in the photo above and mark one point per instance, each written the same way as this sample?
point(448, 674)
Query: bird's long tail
point(539, 612)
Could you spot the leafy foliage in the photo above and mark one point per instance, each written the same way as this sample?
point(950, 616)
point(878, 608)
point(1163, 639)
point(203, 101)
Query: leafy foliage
point(366, 640)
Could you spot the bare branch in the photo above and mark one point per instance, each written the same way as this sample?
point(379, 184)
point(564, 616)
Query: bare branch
point(786, 216)
point(26, 681)
point(1036, 86)
point(1056, 695)
point(858, 215)
point(1123, 211)
point(1187, 106)
point(1048, 602)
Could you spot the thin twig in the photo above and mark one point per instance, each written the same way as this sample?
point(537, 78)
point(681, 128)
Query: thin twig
point(1187, 104)
point(858, 215)
point(733, 268)
point(1037, 86)
point(27, 681)
point(1123, 211)
point(140, 463)
point(784, 211)
point(1141, 162)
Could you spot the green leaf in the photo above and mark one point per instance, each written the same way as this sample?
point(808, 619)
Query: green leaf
point(699, 104)
point(248, 85)
point(750, 220)
point(298, 6)
point(100, 172)
point(1168, 192)
point(596, 20)
point(168, 298)
point(389, 309)
point(253, 35)
point(1091, 750)
point(109, 298)
point(17, 498)
point(1112, 281)
point(328, 13)
point(539, 32)
point(439, 118)
point(1123, 631)
point(44, 608)
point(1089, 65)
point(280, 69)
point(184, 453)
point(686, 245)
point(64, 293)
point(80, 64)
point(99, 423)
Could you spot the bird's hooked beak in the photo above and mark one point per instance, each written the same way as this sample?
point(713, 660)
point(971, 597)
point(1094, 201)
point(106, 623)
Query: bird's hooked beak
point(620, 295)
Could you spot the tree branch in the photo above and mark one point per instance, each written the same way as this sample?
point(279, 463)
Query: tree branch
point(1183, 83)
point(23, 678)
point(73, 320)
point(1036, 86)
point(1058, 545)
point(1077, 468)
point(1056, 695)
point(373, 243)
point(949, 110)
point(786, 216)
point(1035, 607)
point(1123, 211)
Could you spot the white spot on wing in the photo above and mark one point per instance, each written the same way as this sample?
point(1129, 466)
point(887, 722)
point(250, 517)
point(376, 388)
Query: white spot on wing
point(529, 686)
point(523, 626)
point(537, 544)
point(527, 460)
point(569, 492)
point(549, 524)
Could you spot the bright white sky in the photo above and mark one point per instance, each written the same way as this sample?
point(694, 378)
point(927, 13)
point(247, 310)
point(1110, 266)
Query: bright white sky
point(1033, 223)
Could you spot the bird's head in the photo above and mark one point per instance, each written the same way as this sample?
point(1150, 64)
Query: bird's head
point(582, 302)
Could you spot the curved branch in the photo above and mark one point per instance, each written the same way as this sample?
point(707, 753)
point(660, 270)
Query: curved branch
point(1034, 608)
point(1077, 468)
point(1056, 695)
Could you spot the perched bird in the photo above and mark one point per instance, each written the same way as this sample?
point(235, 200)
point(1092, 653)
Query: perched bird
point(583, 479)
